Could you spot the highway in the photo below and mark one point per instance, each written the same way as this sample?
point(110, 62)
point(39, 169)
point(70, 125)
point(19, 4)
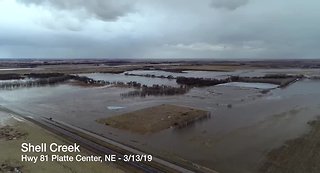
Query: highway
point(101, 146)
point(104, 146)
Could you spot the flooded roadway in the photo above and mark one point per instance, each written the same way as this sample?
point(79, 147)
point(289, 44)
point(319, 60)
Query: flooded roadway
point(235, 139)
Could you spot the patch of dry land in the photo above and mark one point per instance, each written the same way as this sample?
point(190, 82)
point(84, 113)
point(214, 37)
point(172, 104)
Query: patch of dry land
point(301, 155)
point(14, 133)
point(154, 119)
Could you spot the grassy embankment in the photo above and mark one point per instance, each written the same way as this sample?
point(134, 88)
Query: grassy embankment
point(14, 134)
point(154, 119)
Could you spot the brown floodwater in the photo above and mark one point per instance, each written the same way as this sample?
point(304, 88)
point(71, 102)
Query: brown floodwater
point(235, 139)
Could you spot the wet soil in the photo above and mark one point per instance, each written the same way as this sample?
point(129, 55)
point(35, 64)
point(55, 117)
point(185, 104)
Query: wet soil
point(154, 119)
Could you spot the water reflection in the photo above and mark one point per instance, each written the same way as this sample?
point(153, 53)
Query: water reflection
point(251, 85)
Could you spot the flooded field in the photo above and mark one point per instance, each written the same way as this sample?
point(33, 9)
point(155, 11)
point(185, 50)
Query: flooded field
point(223, 75)
point(250, 85)
point(245, 124)
point(202, 74)
point(16, 81)
point(140, 76)
point(11, 69)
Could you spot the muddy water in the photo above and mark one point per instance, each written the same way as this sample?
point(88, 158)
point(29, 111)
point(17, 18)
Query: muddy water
point(4, 117)
point(234, 140)
point(16, 81)
point(13, 69)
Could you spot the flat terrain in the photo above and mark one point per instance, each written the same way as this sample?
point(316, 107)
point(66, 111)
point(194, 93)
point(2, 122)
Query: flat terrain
point(11, 137)
point(248, 122)
point(155, 118)
point(111, 66)
point(301, 155)
point(212, 67)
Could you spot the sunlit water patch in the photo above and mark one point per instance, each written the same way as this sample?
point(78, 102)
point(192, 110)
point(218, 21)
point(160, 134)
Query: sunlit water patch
point(250, 85)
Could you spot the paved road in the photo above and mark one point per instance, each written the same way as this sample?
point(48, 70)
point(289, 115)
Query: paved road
point(157, 166)
point(91, 142)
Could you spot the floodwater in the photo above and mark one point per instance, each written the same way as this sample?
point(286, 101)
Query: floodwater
point(250, 85)
point(13, 69)
point(235, 139)
point(17, 80)
point(3, 118)
point(115, 107)
point(197, 74)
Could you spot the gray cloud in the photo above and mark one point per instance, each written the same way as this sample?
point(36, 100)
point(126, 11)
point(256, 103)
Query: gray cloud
point(102, 9)
point(160, 29)
point(228, 4)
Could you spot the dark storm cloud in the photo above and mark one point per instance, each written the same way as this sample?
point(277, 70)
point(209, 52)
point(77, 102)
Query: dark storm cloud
point(160, 28)
point(65, 45)
point(228, 4)
point(102, 9)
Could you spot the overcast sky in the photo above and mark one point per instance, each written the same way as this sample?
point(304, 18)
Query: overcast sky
point(225, 29)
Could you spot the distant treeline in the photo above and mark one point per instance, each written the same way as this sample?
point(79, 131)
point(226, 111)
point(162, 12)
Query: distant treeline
point(10, 76)
point(200, 82)
point(156, 90)
point(151, 76)
point(14, 76)
point(43, 75)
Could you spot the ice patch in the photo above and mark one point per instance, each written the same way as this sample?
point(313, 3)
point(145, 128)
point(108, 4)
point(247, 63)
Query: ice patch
point(115, 107)
point(18, 119)
point(4, 119)
point(250, 85)
point(273, 97)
